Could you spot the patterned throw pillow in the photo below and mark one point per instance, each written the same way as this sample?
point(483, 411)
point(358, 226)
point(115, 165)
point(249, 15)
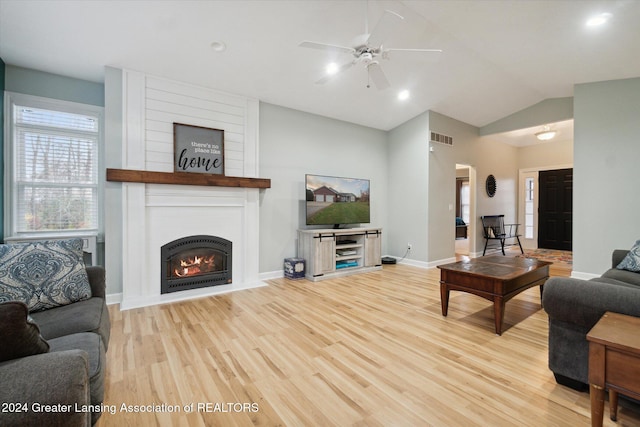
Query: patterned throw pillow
point(632, 261)
point(43, 274)
point(19, 336)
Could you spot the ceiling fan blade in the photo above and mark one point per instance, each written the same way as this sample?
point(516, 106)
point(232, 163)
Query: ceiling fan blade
point(327, 47)
point(342, 68)
point(377, 75)
point(414, 50)
point(385, 27)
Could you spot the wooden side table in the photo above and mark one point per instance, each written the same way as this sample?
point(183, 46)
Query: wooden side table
point(614, 362)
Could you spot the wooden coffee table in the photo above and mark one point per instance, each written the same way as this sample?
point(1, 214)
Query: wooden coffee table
point(496, 278)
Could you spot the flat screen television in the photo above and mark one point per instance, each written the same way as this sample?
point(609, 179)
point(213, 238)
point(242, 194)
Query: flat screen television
point(332, 200)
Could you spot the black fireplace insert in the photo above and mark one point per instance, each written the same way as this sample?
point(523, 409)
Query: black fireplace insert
point(195, 262)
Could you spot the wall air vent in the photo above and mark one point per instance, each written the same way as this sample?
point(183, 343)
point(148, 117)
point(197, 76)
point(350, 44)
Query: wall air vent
point(441, 139)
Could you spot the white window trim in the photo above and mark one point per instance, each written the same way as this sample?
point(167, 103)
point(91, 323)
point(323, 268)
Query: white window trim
point(12, 99)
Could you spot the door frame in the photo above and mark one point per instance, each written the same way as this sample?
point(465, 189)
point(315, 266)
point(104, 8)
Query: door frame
point(471, 227)
point(523, 174)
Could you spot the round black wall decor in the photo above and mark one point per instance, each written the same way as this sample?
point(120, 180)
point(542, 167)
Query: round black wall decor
point(491, 186)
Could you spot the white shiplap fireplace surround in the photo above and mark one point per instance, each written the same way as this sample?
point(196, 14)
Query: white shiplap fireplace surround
point(155, 214)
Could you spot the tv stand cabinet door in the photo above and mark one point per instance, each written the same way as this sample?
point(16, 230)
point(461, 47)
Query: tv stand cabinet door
point(373, 249)
point(324, 254)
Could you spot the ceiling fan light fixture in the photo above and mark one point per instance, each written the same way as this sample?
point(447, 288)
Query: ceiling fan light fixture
point(546, 134)
point(332, 68)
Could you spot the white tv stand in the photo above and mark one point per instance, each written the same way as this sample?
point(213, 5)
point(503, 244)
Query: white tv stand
point(340, 252)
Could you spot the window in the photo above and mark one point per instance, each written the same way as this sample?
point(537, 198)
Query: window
point(465, 207)
point(53, 176)
point(528, 208)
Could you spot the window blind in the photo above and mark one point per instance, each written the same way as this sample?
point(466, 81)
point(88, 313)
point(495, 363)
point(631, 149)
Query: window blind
point(55, 170)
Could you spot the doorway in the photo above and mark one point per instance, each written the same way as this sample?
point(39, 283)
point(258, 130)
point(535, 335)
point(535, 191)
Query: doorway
point(464, 209)
point(555, 209)
point(530, 196)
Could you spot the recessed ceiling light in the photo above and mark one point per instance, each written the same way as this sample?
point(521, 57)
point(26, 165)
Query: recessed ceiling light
point(598, 20)
point(218, 46)
point(332, 68)
point(403, 94)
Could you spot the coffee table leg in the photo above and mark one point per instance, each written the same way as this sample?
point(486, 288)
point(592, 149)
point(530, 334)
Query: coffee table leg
point(498, 313)
point(444, 298)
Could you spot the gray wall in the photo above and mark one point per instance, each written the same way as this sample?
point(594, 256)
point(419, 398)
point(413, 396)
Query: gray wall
point(409, 197)
point(39, 83)
point(113, 116)
point(606, 201)
point(544, 112)
point(422, 185)
point(294, 143)
point(2, 80)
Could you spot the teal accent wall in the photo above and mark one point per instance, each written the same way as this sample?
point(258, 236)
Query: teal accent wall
point(2, 70)
point(40, 83)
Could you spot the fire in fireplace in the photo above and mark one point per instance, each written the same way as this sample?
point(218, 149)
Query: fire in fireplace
point(195, 262)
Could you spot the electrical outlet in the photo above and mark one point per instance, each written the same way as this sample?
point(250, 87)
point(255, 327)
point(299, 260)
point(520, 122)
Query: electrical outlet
point(409, 245)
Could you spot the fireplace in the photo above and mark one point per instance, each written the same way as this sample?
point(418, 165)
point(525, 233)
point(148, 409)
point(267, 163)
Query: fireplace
point(195, 262)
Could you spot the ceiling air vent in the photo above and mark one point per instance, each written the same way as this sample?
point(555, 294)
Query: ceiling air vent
point(441, 139)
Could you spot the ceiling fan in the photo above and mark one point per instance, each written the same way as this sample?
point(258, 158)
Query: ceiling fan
point(369, 53)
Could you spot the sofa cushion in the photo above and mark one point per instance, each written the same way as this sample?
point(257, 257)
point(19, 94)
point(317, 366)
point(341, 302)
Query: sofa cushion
point(84, 316)
point(19, 337)
point(43, 274)
point(621, 276)
point(91, 344)
point(631, 262)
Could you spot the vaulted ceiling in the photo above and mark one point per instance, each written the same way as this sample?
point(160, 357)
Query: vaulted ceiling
point(498, 57)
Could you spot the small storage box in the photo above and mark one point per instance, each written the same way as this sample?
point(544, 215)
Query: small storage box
point(294, 268)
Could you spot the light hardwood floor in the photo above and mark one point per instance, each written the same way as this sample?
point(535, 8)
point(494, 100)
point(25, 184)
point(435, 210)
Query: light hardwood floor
point(370, 349)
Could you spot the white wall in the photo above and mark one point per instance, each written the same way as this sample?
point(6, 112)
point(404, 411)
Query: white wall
point(546, 154)
point(606, 158)
point(294, 143)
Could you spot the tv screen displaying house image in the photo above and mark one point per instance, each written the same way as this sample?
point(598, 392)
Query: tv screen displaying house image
point(332, 200)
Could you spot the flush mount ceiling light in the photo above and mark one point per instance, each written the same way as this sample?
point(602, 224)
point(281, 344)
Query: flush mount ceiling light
point(598, 20)
point(218, 46)
point(546, 134)
point(403, 95)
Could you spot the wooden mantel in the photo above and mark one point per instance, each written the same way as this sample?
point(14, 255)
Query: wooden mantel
point(185, 178)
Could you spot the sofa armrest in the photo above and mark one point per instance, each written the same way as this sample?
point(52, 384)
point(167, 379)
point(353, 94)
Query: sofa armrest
point(583, 302)
point(97, 281)
point(617, 256)
point(60, 379)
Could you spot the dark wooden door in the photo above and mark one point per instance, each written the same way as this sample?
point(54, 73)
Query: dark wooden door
point(555, 209)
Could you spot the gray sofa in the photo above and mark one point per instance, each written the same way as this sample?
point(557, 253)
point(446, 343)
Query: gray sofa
point(574, 306)
point(54, 360)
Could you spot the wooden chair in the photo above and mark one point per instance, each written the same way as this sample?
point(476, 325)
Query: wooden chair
point(494, 228)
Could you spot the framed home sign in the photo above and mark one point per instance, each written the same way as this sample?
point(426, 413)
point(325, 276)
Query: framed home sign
point(198, 149)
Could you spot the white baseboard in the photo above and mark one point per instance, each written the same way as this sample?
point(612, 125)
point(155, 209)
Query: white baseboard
point(114, 298)
point(145, 301)
point(278, 274)
point(425, 264)
point(583, 276)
